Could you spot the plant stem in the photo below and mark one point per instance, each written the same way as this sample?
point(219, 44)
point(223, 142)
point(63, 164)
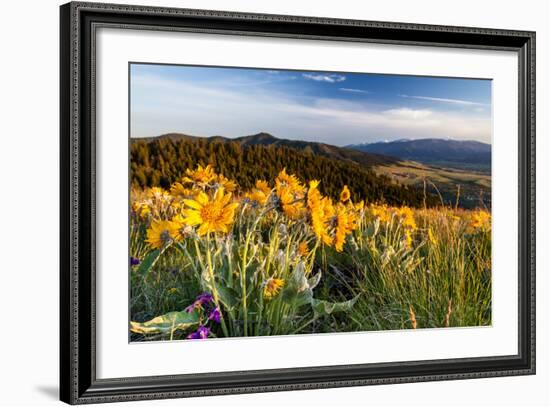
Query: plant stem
point(213, 285)
point(243, 283)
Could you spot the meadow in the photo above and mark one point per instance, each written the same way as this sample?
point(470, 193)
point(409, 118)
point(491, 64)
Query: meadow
point(209, 259)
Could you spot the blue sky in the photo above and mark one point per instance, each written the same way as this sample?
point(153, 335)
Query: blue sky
point(334, 108)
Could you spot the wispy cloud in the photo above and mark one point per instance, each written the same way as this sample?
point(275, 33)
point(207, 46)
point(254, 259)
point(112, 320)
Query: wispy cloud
point(330, 78)
point(352, 90)
point(409, 114)
point(445, 100)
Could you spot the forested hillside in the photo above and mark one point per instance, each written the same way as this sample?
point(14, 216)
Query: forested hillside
point(162, 161)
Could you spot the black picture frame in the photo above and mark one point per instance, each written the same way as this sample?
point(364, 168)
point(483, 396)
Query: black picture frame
point(78, 382)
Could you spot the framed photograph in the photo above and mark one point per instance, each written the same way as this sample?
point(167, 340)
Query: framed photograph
point(255, 203)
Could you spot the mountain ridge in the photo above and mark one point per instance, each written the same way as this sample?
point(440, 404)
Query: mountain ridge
point(263, 138)
point(445, 152)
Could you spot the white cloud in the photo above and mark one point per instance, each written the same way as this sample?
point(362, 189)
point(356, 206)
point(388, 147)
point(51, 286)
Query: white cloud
point(331, 78)
point(352, 90)
point(445, 100)
point(408, 114)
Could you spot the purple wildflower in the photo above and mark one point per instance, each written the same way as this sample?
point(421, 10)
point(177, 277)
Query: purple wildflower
point(204, 298)
point(215, 315)
point(134, 261)
point(201, 300)
point(201, 333)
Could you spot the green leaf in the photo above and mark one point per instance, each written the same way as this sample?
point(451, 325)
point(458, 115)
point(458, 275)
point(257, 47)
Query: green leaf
point(313, 281)
point(167, 323)
point(305, 297)
point(326, 308)
point(228, 296)
point(299, 290)
point(148, 262)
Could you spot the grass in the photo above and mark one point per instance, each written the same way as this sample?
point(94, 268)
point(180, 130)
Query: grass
point(282, 259)
point(475, 186)
point(444, 277)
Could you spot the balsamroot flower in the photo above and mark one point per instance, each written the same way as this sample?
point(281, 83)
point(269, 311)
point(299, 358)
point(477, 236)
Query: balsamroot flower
point(322, 212)
point(158, 194)
point(286, 181)
point(225, 183)
point(214, 215)
point(272, 287)
point(141, 209)
point(291, 194)
point(161, 232)
point(291, 203)
point(345, 224)
point(345, 194)
point(381, 212)
point(260, 193)
point(184, 230)
point(407, 217)
point(202, 175)
point(178, 190)
point(303, 249)
point(480, 220)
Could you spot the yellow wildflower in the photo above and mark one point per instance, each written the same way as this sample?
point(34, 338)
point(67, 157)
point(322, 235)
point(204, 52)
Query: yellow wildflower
point(292, 206)
point(303, 249)
point(227, 184)
point(259, 194)
point(480, 219)
point(431, 236)
point(177, 189)
point(286, 181)
point(313, 195)
point(345, 224)
point(183, 229)
point(202, 175)
point(161, 232)
point(381, 212)
point(214, 215)
point(158, 193)
point(291, 194)
point(141, 209)
point(345, 194)
point(408, 238)
point(272, 287)
point(322, 213)
point(407, 217)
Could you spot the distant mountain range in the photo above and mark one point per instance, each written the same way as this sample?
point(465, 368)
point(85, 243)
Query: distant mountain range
point(440, 152)
point(364, 158)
